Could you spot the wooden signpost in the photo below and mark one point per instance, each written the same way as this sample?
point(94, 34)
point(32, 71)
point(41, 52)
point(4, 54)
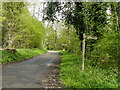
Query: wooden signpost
point(83, 48)
point(64, 45)
point(83, 52)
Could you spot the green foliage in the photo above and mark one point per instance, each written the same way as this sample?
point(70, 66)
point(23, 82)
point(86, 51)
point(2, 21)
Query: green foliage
point(32, 32)
point(85, 17)
point(106, 52)
point(92, 77)
point(50, 11)
point(50, 38)
point(20, 29)
point(0, 55)
point(67, 35)
point(10, 11)
point(21, 54)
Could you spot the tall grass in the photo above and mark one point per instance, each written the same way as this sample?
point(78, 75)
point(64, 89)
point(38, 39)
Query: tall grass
point(93, 77)
point(21, 54)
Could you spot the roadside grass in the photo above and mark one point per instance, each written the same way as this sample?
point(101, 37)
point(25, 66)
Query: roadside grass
point(20, 55)
point(93, 77)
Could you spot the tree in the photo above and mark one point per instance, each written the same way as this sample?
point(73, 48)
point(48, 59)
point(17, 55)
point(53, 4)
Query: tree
point(20, 31)
point(11, 11)
point(79, 14)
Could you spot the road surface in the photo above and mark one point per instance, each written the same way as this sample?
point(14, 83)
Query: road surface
point(37, 72)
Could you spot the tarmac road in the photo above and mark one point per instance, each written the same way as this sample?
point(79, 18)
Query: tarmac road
point(31, 73)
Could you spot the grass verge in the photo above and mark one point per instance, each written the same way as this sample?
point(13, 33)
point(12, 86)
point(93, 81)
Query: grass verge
point(21, 54)
point(93, 77)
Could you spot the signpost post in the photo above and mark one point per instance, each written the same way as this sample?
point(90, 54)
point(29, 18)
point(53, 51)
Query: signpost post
point(83, 48)
point(83, 52)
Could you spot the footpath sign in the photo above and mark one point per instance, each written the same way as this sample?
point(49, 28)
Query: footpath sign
point(83, 47)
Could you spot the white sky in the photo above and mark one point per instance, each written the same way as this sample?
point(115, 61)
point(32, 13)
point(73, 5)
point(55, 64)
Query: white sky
point(38, 7)
point(39, 14)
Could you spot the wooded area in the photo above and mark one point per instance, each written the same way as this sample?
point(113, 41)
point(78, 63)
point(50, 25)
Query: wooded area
point(88, 31)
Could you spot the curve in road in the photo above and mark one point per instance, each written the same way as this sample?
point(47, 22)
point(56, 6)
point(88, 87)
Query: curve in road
point(30, 73)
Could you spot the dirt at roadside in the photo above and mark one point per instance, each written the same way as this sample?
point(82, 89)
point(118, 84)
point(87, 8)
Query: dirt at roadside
point(52, 76)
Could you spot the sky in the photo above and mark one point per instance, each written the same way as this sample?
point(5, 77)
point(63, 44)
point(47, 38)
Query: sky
point(36, 9)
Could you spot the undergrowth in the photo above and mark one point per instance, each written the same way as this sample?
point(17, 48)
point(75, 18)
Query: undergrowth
point(21, 54)
point(93, 77)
